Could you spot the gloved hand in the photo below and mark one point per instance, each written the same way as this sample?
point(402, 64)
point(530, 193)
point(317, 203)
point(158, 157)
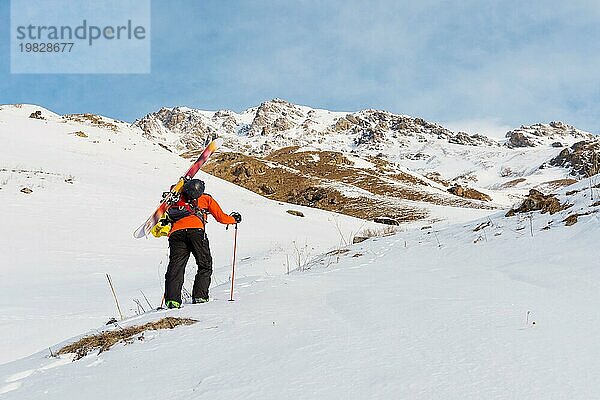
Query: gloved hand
point(237, 216)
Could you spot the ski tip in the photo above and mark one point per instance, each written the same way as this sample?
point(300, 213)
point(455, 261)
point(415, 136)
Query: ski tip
point(216, 143)
point(139, 232)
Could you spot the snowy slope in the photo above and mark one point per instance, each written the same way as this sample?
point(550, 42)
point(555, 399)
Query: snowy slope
point(445, 312)
point(94, 181)
point(454, 312)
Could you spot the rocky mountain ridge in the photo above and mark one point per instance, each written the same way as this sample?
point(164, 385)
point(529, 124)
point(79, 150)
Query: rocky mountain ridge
point(286, 124)
point(277, 119)
point(541, 134)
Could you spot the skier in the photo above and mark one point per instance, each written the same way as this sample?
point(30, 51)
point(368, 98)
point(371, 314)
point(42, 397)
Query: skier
point(187, 235)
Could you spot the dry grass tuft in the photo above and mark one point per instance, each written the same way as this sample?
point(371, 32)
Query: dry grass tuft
point(572, 219)
point(511, 184)
point(91, 119)
point(558, 183)
point(296, 213)
point(105, 340)
point(337, 252)
point(385, 231)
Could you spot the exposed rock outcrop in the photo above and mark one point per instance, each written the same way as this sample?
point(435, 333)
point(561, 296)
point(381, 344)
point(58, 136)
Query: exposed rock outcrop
point(36, 115)
point(552, 134)
point(468, 193)
point(518, 139)
point(583, 158)
point(274, 116)
point(537, 201)
point(92, 119)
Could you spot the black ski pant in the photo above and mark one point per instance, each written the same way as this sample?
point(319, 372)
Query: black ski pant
point(181, 244)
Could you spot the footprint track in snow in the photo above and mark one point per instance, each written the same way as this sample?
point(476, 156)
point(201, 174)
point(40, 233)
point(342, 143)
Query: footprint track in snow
point(10, 387)
point(14, 381)
point(20, 375)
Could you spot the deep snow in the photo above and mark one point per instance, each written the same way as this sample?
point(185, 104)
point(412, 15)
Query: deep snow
point(437, 313)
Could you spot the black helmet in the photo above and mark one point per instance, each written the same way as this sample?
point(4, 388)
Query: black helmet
point(193, 189)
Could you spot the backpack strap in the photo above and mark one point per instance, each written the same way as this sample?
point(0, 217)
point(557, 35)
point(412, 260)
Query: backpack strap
point(201, 213)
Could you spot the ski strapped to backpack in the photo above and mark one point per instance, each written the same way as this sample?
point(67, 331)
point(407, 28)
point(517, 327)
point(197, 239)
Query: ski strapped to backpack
point(153, 224)
point(177, 211)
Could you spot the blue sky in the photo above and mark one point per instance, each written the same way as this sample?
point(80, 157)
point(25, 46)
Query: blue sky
point(478, 64)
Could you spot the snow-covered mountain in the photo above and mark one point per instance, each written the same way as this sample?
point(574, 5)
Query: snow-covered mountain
point(383, 146)
point(277, 123)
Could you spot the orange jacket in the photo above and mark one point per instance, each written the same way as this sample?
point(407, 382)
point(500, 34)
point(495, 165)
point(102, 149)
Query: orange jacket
point(205, 202)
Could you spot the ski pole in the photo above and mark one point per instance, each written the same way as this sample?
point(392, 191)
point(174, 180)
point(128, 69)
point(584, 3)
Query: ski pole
point(233, 262)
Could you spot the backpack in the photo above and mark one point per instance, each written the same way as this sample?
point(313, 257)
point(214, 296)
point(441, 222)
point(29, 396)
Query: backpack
point(174, 213)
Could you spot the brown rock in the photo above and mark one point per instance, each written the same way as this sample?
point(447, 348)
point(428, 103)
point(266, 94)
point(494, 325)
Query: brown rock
point(313, 194)
point(482, 225)
point(266, 189)
point(537, 201)
point(518, 139)
point(468, 193)
point(342, 124)
point(583, 158)
point(353, 119)
point(36, 115)
point(386, 221)
point(282, 124)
